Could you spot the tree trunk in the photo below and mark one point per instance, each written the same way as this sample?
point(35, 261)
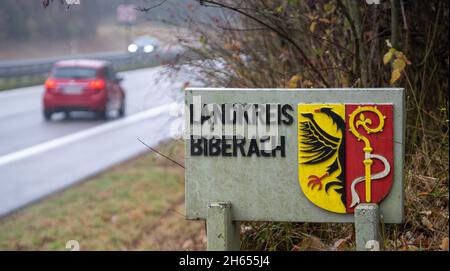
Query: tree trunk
point(355, 14)
point(395, 39)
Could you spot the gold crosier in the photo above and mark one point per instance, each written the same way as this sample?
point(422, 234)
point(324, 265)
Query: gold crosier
point(363, 121)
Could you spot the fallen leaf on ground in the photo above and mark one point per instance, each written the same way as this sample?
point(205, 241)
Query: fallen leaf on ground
point(412, 248)
point(427, 213)
point(295, 248)
point(341, 244)
point(310, 243)
point(427, 223)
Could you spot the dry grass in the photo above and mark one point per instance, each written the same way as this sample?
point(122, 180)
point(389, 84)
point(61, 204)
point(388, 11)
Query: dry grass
point(134, 206)
point(426, 210)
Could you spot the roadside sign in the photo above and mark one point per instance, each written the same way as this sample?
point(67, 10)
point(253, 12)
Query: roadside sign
point(126, 14)
point(299, 155)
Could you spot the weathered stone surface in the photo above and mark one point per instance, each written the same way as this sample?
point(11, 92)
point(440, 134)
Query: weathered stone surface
point(367, 225)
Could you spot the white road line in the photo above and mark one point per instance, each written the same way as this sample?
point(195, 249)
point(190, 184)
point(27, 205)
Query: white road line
point(46, 146)
point(21, 91)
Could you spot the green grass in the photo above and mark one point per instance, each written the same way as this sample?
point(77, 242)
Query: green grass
point(112, 211)
point(12, 83)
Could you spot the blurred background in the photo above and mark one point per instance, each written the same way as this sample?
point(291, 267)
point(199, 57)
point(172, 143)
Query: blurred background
point(27, 30)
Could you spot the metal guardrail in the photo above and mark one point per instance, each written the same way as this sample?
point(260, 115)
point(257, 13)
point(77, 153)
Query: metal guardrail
point(120, 61)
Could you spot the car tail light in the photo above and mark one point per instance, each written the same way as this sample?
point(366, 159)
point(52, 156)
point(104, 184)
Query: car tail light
point(97, 84)
point(50, 84)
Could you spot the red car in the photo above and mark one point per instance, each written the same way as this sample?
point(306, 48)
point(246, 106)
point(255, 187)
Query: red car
point(83, 85)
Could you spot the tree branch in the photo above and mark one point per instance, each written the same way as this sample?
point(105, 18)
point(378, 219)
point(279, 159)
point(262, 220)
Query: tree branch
point(150, 8)
point(280, 33)
point(353, 17)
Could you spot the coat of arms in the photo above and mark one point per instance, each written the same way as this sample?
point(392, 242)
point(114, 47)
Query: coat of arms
point(345, 154)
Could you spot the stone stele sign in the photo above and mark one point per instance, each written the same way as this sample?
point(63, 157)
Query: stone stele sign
point(299, 155)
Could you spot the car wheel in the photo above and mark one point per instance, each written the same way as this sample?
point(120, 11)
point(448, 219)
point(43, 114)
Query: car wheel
point(122, 109)
point(47, 115)
point(103, 115)
point(66, 115)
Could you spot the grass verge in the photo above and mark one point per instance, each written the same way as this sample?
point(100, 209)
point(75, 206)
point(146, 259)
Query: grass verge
point(138, 205)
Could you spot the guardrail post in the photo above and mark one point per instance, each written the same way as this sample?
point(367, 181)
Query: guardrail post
point(367, 227)
point(222, 232)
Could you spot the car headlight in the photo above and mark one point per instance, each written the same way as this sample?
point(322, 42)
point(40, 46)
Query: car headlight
point(148, 48)
point(132, 48)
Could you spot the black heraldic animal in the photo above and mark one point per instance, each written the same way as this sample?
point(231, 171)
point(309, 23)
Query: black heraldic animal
point(319, 146)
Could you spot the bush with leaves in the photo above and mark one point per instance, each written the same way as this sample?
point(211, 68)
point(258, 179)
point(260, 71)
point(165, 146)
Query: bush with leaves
point(344, 43)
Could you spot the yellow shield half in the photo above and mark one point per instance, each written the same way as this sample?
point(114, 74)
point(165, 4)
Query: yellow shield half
point(321, 157)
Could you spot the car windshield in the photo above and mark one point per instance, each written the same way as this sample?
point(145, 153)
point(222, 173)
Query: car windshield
point(74, 72)
point(142, 41)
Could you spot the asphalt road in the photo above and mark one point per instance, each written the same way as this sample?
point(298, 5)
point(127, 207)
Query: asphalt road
point(38, 158)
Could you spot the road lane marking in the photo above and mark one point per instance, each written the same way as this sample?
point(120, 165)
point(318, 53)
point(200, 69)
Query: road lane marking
point(58, 142)
point(37, 89)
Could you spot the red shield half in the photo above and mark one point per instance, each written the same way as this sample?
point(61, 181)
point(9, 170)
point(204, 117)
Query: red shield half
point(369, 153)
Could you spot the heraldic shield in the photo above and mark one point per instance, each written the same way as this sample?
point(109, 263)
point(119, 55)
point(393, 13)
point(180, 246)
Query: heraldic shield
point(345, 154)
